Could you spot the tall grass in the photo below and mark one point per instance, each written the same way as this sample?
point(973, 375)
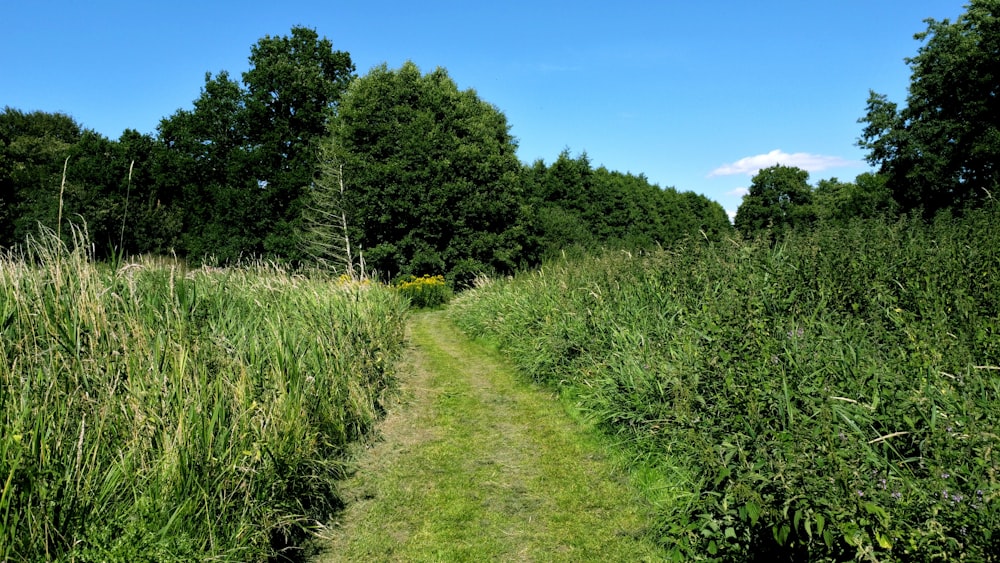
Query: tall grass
point(834, 397)
point(149, 415)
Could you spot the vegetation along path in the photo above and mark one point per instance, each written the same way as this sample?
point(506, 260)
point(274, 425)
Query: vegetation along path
point(473, 464)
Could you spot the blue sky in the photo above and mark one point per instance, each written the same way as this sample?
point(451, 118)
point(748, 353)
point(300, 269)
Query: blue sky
point(697, 95)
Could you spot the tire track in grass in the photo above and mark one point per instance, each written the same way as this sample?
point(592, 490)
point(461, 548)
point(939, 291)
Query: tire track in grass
point(473, 464)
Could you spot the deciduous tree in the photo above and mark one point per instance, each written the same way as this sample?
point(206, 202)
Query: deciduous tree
point(431, 173)
point(33, 149)
point(779, 199)
point(242, 159)
point(292, 90)
point(205, 166)
point(942, 149)
point(866, 197)
point(572, 205)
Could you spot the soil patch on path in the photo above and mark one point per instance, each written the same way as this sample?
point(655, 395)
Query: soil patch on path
point(472, 464)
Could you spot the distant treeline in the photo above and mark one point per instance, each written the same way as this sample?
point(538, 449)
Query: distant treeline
point(303, 161)
point(431, 182)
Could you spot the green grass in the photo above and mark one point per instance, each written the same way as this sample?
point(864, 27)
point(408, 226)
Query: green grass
point(152, 414)
point(479, 466)
point(831, 397)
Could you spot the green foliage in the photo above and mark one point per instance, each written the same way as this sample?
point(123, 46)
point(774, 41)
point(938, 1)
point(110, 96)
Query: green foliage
point(820, 404)
point(33, 148)
point(424, 176)
point(424, 292)
point(292, 90)
point(779, 200)
point(941, 149)
point(416, 175)
point(572, 205)
point(431, 174)
point(204, 165)
point(867, 197)
point(243, 158)
point(110, 185)
point(153, 414)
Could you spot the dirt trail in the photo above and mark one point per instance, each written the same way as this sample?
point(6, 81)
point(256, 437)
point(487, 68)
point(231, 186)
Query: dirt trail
point(474, 465)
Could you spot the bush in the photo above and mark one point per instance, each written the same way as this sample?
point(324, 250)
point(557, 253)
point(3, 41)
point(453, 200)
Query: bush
point(425, 291)
point(833, 397)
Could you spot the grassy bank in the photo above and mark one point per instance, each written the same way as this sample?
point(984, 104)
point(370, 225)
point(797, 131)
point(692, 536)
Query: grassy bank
point(833, 397)
point(150, 414)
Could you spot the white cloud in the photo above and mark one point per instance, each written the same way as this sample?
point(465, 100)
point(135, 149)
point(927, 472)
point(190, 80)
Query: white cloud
point(738, 192)
point(732, 215)
point(809, 162)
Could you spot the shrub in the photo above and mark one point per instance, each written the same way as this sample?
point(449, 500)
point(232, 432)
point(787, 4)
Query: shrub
point(835, 396)
point(425, 291)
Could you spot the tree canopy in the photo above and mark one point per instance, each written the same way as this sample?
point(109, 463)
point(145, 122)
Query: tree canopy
point(299, 159)
point(33, 148)
point(292, 90)
point(241, 160)
point(779, 199)
point(431, 175)
point(942, 149)
point(102, 187)
point(866, 197)
point(571, 204)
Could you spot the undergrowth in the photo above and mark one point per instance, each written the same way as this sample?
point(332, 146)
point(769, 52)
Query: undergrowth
point(831, 397)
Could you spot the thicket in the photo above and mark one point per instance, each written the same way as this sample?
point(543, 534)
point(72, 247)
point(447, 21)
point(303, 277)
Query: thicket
point(150, 413)
point(831, 396)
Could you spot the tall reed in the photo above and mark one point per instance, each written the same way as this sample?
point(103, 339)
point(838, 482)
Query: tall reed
point(148, 414)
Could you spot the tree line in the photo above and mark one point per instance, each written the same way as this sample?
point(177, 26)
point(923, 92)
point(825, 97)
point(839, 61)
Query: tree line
point(304, 161)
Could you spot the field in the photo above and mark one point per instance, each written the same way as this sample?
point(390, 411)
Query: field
point(830, 397)
point(149, 413)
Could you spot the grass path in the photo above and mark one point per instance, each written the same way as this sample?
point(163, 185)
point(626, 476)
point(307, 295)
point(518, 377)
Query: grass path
point(475, 465)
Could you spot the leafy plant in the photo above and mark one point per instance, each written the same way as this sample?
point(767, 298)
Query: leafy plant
point(823, 404)
point(424, 291)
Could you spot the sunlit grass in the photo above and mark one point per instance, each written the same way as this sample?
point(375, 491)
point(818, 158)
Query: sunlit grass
point(479, 466)
point(151, 412)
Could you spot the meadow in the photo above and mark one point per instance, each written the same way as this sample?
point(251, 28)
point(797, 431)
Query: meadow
point(151, 413)
point(833, 396)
